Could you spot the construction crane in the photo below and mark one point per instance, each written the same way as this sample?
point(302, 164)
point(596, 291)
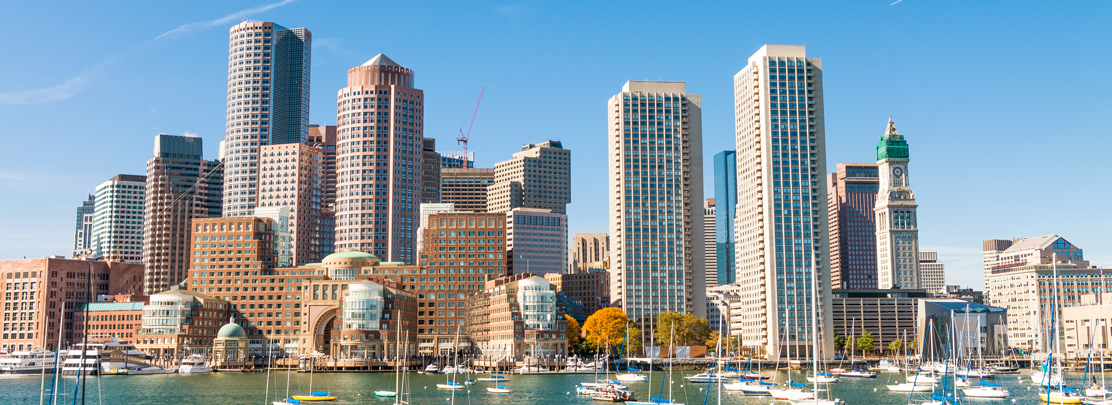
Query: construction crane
point(462, 139)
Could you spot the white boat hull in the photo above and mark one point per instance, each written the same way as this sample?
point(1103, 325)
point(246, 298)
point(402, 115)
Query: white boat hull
point(986, 392)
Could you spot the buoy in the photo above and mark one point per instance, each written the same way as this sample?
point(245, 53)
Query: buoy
point(1013, 400)
point(874, 389)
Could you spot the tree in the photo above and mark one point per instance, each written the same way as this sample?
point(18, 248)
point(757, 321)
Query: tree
point(689, 329)
point(575, 339)
point(712, 342)
point(607, 328)
point(895, 346)
point(839, 342)
point(866, 342)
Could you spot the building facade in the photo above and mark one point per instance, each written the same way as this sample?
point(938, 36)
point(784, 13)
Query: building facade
point(537, 241)
point(178, 322)
point(973, 328)
point(428, 209)
point(457, 159)
point(539, 176)
point(291, 176)
point(932, 273)
point(780, 224)
point(379, 119)
point(710, 253)
point(897, 229)
point(725, 197)
point(851, 199)
point(181, 186)
point(83, 232)
point(118, 219)
point(324, 138)
point(656, 184)
point(589, 251)
point(592, 288)
point(889, 315)
point(37, 290)
point(267, 103)
point(430, 175)
point(517, 316)
point(468, 189)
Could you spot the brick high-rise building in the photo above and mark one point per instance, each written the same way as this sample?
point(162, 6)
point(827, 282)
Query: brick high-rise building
point(35, 290)
point(655, 176)
point(589, 250)
point(539, 176)
point(267, 103)
point(430, 175)
point(468, 189)
point(292, 176)
point(537, 241)
point(181, 186)
point(780, 223)
point(83, 232)
point(379, 161)
point(851, 198)
point(118, 219)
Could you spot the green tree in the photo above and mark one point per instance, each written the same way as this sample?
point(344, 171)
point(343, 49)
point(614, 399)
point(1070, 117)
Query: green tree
point(689, 329)
point(866, 343)
point(839, 342)
point(895, 346)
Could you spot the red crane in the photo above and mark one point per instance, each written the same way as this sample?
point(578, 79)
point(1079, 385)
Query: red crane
point(462, 139)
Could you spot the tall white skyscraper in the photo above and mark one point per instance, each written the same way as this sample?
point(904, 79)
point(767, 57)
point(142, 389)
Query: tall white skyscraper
point(780, 219)
point(268, 103)
point(897, 234)
point(118, 219)
point(656, 193)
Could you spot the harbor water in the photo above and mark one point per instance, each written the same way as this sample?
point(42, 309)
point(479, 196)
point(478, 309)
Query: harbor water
point(358, 388)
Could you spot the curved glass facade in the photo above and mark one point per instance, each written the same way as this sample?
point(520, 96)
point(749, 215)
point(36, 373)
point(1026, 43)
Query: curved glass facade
point(342, 274)
point(363, 307)
point(538, 304)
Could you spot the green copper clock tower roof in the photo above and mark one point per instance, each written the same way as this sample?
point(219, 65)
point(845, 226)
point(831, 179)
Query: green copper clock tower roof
point(892, 146)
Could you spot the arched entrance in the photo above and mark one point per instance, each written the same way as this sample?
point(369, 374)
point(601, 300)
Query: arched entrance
point(321, 320)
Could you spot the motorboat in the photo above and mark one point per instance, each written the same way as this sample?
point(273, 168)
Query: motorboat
point(1060, 397)
point(432, 369)
point(856, 372)
point(493, 378)
point(986, 392)
point(194, 364)
point(27, 362)
point(909, 387)
point(110, 356)
point(977, 373)
point(499, 389)
point(748, 387)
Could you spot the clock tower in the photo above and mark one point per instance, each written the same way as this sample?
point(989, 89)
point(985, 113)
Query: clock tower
point(897, 232)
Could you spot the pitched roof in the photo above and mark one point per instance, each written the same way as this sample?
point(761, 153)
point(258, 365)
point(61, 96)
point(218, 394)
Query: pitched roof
point(1040, 242)
point(381, 60)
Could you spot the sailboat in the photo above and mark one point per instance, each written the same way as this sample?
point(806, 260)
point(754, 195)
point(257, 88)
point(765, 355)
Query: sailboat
point(666, 380)
point(314, 396)
point(986, 389)
point(1098, 390)
point(1062, 395)
point(397, 367)
point(855, 372)
point(452, 385)
point(815, 349)
point(631, 374)
point(793, 390)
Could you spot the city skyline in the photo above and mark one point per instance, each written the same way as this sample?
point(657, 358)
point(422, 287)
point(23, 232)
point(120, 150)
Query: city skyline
point(861, 92)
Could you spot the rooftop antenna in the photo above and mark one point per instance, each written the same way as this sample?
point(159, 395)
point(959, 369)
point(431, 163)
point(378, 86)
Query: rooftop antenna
point(462, 139)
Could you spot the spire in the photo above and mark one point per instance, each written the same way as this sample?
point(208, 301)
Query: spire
point(891, 127)
point(892, 145)
point(381, 60)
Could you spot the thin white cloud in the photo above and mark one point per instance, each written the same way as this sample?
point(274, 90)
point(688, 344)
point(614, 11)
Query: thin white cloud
point(54, 93)
point(184, 29)
point(189, 134)
point(897, 1)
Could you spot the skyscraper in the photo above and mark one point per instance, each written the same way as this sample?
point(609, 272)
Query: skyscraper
point(181, 186)
point(851, 197)
point(379, 118)
point(588, 250)
point(468, 189)
point(710, 253)
point(539, 176)
point(118, 219)
point(897, 231)
point(268, 103)
point(725, 197)
point(537, 241)
point(430, 175)
point(83, 232)
point(780, 223)
point(933, 272)
point(324, 137)
point(656, 187)
point(291, 176)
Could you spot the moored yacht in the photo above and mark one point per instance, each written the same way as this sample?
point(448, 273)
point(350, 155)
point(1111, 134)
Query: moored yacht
point(194, 364)
point(27, 362)
point(109, 357)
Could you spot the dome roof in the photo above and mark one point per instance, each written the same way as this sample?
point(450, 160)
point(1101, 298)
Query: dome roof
point(351, 254)
point(231, 330)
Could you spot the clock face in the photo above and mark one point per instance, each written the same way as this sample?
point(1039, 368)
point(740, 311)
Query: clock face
point(898, 171)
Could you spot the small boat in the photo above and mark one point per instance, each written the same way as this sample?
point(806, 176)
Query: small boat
point(194, 364)
point(962, 383)
point(977, 373)
point(500, 389)
point(493, 378)
point(1096, 391)
point(823, 379)
point(753, 375)
point(287, 401)
point(450, 385)
point(706, 377)
point(432, 369)
point(923, 380)
point(748, 387)
point(1060, 397)
point(909, 387)
point(386, 394)
point(792, 394)
point(986, 392)
point(315, 396)
point(632, 377)
point(856, 372)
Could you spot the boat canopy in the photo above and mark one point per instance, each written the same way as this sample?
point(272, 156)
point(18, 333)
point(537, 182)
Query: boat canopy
point(292, 401)
point(633, 369)
point(988, 384)
point(795, 384)
point(319, 393)
point(937, 397)
point(767, 383)
point(501, 387)
point(660, 400)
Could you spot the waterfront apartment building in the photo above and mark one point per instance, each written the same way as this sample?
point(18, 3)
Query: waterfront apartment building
point(118, 219)
point(467, 188)
point(119, 320)
point(725, 197)
point(591, 287)
point(851, 199)
point(654, 157)
point(36, 290)
point(780, 225)
point(537, 241)
point(517, 316)
point(1021, 280)
point(589, 251)
point(539, 176)
point(710, 253)
point(267, 103)
point(181, 186)
point(897, 225)
point(379, 118)
point(83, 232)
point(291, 176)
point(932, 273)
point(179, 322)
point(430, 173)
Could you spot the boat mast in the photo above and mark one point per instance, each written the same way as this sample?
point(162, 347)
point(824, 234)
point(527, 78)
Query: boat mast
point(815, 323)
point(397, 353)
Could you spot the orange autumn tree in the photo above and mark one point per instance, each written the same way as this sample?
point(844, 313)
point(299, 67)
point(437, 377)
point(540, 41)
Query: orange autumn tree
point(607, 328)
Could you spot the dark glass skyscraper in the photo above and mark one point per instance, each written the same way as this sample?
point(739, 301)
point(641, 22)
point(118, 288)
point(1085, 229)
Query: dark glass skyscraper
point(725, 197)
point(851, 199)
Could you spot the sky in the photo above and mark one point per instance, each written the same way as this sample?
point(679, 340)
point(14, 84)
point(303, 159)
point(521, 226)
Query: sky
point(991, 95)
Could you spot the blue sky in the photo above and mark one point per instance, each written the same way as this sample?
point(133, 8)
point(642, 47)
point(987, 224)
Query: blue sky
point(991, 95)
